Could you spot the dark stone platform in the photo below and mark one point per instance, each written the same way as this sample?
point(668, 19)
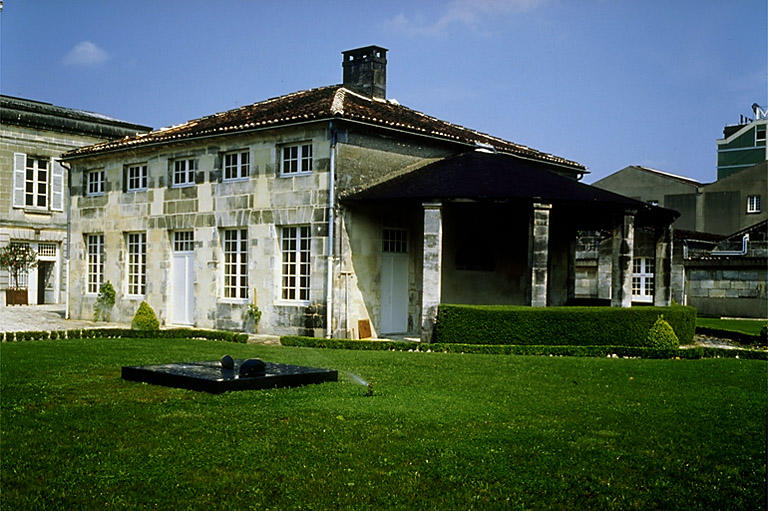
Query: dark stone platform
point(211, 377)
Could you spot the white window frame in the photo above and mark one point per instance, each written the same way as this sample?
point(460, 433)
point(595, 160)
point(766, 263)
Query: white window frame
point(296, 159)
point(136, 264)
point(296, 263)
point(94, 251)
point(754, 204)
point(758, 140)
point(236, 165)
point(643, 279)
point(234, 245)
point(33, 180)
point(94, 179)
point(183, 241)
point(138, 182)
point(185, 169)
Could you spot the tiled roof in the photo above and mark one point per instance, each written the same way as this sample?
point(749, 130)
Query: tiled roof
point(316, 104)
point(40, 115)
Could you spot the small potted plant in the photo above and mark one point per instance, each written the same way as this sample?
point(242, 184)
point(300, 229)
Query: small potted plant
point(18, 258)
point(253, 314)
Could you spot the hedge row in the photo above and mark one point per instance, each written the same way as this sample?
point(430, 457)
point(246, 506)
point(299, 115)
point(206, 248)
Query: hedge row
point(739, 337)
point(577, 326)
point(124, 333)
point(510, 349)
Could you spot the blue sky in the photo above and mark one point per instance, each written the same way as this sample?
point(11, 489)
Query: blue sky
point(606, 83)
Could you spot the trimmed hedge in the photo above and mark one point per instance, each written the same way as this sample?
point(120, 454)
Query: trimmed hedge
point(577, 326)
point(511, 349)
point(126, 333)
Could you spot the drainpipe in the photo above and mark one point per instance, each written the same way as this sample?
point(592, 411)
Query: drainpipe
point(66, 252)
point(743, 251)
point(331, 219)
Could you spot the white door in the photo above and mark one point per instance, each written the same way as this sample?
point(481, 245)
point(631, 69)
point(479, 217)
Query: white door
point(394, 282)
point(182, 279)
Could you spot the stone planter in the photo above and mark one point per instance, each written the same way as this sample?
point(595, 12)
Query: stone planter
point(16, 297)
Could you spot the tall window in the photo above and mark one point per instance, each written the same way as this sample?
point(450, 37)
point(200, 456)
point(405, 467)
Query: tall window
point(184, 172)
point(94, 182)
point(236, 165)
point(753, 204)
point(95, 250)
point(296, 269)
point(137, 178)
point(36, 186)
point(236, 263)
point(137, 263)
point(642, 278)
point(296, 159)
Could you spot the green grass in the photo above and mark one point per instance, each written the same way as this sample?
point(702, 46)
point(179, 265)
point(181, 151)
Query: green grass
point(744, 326)
point(441, 431)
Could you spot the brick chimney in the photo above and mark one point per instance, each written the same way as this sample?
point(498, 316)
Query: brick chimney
point(365, 71)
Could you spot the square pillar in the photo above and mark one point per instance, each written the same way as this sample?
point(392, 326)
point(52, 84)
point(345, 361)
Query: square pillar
point(662, 288)
point(431, 268)
point(621, 270)
point(540, 254)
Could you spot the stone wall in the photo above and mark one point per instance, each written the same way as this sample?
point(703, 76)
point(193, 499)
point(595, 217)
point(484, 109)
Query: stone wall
point(728, 287)
point(262, 204)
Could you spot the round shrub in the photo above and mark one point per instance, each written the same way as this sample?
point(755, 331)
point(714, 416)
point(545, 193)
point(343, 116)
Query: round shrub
point(145, 318)
point(661, 335)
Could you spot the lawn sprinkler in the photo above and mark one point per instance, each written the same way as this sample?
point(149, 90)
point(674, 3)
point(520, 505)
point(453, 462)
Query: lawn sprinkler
point(369, 393)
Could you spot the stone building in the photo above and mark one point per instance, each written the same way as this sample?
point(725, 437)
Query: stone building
point(337, 209)
point(33, 184)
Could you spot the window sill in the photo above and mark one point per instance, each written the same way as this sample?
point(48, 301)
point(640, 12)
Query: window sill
point(183, 185)
point(134, 297)
point(237, 180)
point(234, 301)
point(753, 212)
point(33, 211)
point(100, 194)
point(296, 174)
point(136, 190)
point(292, 303)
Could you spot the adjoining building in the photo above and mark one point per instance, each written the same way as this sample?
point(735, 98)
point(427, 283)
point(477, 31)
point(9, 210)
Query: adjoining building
point(709, 213)
point(743, 144)
point(337, 208)
point(33, 184)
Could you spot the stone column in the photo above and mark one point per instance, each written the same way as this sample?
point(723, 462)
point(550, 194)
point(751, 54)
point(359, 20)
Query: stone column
point(621, 270)
point(662, 289)
point(540, 255)
point(431, 267)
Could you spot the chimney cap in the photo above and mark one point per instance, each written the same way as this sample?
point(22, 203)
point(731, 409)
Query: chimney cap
point(377, 52)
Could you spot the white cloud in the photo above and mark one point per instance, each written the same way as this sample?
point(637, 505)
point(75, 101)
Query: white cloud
point(85, 53)
point(469, 13)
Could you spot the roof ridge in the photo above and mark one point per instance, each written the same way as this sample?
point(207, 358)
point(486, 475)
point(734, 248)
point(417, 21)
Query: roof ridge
point(662, 172)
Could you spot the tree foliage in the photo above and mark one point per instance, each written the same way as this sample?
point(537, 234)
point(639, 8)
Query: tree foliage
point(18, 258)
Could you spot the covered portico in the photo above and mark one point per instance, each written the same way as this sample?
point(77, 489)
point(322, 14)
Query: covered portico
point(499, 229)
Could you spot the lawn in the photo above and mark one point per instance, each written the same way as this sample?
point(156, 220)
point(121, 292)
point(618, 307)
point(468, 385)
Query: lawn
point(744, 326)
point(441, 431)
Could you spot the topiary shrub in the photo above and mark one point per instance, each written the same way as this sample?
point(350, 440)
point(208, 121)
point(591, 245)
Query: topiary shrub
point(145, 318)
point(661, 335)
point(764, 333)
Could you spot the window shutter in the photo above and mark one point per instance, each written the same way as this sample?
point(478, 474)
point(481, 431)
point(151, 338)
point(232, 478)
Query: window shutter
point(57, 186)
point(19, 177)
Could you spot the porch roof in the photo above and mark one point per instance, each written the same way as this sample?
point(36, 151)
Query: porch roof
point(493, 177)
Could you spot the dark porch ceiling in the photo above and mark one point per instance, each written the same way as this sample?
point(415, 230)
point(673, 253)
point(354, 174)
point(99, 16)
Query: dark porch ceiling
point(493, 177)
